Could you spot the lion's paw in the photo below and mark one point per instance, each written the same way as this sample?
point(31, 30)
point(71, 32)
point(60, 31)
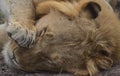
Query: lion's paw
point(22, 35)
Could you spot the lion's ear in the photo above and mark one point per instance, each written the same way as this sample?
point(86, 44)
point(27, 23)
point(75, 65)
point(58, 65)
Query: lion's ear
point(90, 10)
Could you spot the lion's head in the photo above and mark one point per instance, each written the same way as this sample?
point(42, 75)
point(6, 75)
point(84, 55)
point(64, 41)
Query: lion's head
point(80, 37)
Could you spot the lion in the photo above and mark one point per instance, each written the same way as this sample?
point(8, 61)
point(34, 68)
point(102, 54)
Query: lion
point(81, 37)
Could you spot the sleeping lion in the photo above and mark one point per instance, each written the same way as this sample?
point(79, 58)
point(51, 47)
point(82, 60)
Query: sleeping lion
point(80, 37)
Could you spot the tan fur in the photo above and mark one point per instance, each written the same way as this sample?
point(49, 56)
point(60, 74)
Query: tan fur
point(73, 41)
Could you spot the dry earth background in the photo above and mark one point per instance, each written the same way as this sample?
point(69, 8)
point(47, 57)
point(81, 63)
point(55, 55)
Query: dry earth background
point(5, 71)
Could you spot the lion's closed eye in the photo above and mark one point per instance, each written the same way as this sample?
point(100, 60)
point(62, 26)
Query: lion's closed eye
point(104, 62)
point(14, 59)
point(104, 53)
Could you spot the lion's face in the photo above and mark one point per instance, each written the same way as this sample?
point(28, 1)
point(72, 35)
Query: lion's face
point(59, 31)
point(57, 28)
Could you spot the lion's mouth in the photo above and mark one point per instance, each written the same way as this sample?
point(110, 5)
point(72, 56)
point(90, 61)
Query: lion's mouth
point(14, 59)
point(10, 58)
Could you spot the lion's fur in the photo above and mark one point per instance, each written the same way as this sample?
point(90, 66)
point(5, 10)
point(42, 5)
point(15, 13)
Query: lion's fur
point(3, 35)
point(69, 39)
